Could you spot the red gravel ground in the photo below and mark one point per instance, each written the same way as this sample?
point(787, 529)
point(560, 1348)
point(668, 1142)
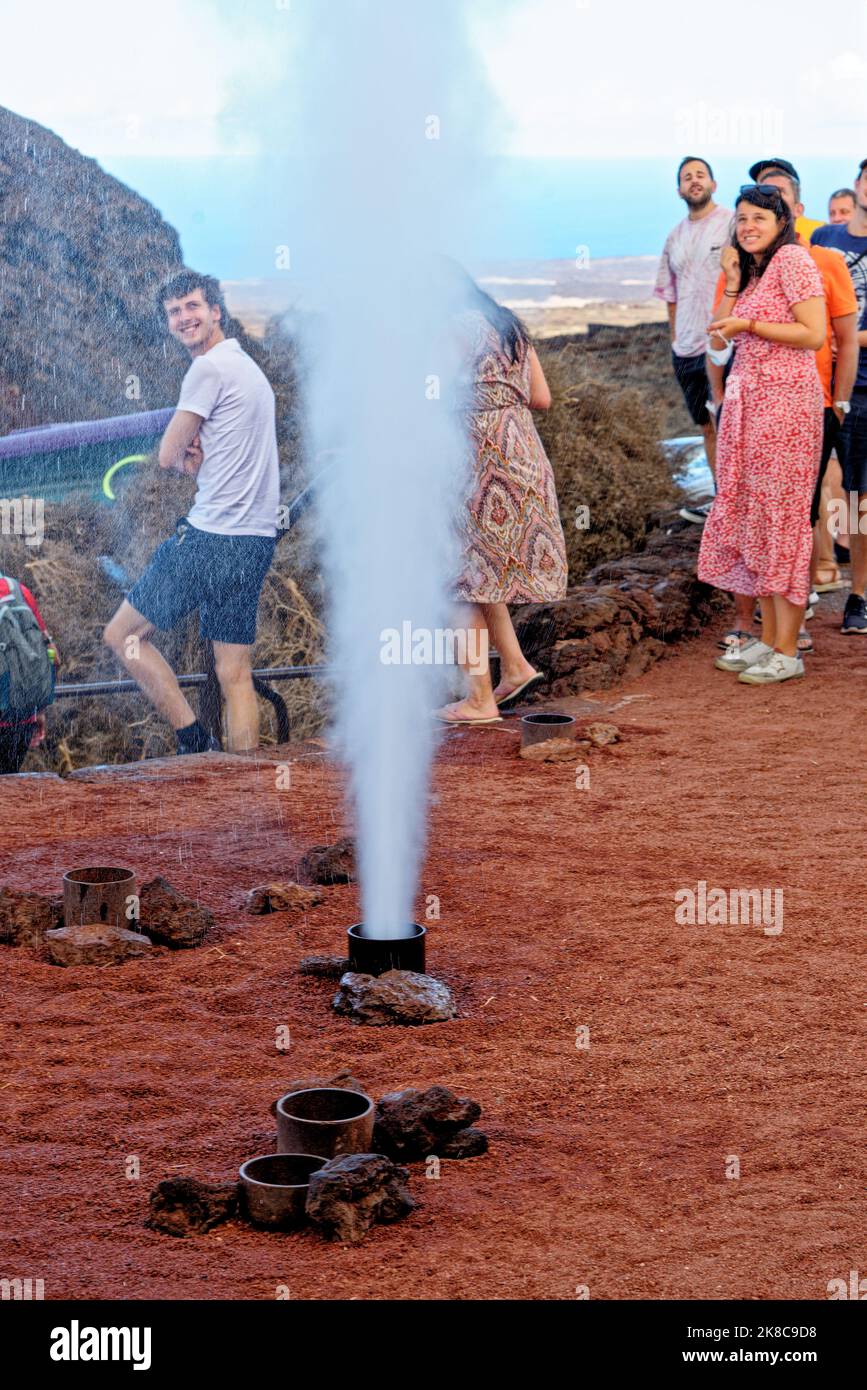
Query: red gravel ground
point(607, 1165)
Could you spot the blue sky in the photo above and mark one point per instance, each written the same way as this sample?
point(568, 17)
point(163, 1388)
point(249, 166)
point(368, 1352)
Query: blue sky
point(575, 78)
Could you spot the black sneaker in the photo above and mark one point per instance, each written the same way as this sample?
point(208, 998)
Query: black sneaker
point(855, 616)
point(697, 514)
point(213, 747)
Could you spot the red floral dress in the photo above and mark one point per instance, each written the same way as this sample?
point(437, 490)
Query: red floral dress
point(757, 539)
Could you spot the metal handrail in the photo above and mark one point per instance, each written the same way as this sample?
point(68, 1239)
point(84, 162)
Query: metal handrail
point(210, 702)
point(124, 687)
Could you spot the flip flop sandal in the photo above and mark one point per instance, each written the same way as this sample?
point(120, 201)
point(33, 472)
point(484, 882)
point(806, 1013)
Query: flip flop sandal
point(736, 635)
point(829, 586)
point(507, 701)
point(467, 723)
point(805, 642)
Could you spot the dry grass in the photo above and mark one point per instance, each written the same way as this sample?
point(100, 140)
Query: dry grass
point(77, 601)
point(603, 442)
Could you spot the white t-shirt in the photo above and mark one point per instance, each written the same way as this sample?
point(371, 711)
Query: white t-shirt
point(688, 274)
point(239, 480)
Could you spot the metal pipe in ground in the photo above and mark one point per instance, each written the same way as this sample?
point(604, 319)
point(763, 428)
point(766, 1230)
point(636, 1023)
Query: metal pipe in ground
point(97, 894)
point(538, 728)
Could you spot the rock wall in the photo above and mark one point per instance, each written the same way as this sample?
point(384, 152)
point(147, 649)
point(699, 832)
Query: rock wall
point(614, 626)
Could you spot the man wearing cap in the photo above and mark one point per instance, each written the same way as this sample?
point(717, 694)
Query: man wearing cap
point(687, 273)
point(804, 226)
point(851, 239)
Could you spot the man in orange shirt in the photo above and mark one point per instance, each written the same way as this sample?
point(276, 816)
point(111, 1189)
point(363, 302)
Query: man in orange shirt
point(836, 361)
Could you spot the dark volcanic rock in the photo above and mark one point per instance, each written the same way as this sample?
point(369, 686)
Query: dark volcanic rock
point(171, 918)
point(413, 1123)
point(95, 943)
point(398, 996)
point(188, 1207)
point(282, 897)
point(617, 623)
point(467, 1143)
point(352, 1193)
point(26, 917)
point(328, 864)
point(326, 967)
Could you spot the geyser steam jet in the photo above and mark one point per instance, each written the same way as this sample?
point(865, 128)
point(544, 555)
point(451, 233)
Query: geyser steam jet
point(390, 96)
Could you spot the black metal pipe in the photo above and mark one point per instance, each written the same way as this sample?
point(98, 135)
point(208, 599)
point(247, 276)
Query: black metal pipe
point(124, 687)
point(374, 955)
point(278, 704)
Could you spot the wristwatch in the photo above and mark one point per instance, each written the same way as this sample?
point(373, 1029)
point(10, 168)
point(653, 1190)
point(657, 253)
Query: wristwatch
point(842, 405)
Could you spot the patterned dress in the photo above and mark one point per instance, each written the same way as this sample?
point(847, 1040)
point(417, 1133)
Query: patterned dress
point(514, 551)
point(758, 538)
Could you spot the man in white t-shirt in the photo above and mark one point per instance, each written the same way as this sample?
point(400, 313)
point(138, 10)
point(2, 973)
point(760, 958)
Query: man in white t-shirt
point(222, 433)
point(688, 273)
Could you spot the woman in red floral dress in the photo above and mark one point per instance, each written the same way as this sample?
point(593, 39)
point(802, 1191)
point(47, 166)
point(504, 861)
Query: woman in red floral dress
point(758, 539)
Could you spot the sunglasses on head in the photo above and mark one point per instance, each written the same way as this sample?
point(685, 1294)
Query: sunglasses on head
point(767, 188)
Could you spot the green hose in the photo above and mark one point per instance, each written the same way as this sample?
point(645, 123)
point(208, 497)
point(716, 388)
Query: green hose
point(121, 463)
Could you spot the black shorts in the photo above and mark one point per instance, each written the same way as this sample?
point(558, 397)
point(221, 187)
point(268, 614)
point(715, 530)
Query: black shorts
point(852, 444)
point(830, 440)
point(222, 576)
point(692, 379)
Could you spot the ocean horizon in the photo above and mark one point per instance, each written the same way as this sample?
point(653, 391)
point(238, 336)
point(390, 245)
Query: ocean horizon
point(232, 212)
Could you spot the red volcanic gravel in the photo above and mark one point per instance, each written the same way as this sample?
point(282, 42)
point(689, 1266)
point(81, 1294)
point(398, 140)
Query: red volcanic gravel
point(607, 1165)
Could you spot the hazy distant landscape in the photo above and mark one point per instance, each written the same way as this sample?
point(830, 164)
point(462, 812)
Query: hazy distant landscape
point(553, 297)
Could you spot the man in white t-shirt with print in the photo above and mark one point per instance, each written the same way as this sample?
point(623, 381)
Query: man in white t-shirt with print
point(223, 433)
point(687, 277)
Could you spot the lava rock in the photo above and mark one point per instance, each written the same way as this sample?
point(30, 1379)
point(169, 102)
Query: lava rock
point(26, 917)
point(467, 1143)
point(282, 897)
point(398, 996)
point(170, 918)
point(325, 967)
point(601, 734)
point(95, 943)
point(188, 1207)
point(356, 1191)
point(413, 1123)
point(552, 750)
point(328, 864)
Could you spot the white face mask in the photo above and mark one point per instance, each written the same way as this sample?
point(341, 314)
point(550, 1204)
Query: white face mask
point(719, 356)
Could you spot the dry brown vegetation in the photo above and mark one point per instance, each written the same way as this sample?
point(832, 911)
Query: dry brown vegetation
point(602, 436)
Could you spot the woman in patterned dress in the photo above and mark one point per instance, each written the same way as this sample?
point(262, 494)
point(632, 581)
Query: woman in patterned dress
point(757, 539)
point(514, 550)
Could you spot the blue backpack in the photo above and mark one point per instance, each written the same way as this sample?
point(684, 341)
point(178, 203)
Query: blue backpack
point(26, 669)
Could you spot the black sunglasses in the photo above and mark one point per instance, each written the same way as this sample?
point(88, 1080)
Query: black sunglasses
point(766, 188)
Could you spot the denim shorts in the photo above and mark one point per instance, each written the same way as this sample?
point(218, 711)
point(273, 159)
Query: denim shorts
point(221, 576)
point(852, 443)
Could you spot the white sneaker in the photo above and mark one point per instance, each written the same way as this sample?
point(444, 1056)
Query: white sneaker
point(741, 655)
point(775, 667)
